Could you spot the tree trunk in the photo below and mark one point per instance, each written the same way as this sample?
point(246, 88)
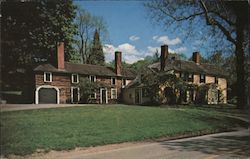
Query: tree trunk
point(240, 64)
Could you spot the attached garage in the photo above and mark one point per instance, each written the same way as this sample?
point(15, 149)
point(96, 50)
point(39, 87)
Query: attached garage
point(47, 95)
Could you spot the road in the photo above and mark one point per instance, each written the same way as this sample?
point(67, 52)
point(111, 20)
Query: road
point(235, 145)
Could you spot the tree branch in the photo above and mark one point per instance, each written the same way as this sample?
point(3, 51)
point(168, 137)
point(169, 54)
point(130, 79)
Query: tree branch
point(180, 18)
point(211, 21)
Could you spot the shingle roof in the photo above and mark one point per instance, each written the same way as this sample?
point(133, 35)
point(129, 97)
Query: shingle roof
point(86, 69)
point(190, 66)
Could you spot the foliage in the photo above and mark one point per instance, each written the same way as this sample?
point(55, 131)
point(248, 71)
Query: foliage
point(112, 64)
point(157, 83)
point(87, 26)
point(29, 33)
point(96, 56)
point(86, 89)
point(23, 132)
point(226, 21)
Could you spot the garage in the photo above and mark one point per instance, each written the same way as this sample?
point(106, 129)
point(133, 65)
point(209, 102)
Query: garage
point(47, 95)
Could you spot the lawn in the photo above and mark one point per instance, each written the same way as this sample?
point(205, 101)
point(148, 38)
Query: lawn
point(23, 132)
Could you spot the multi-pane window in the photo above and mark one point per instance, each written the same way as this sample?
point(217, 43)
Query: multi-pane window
point(93, 96)
point(47, 77)
point(124, 82)
point(75, 78)
point(182, 76)
point(190, 77)
point(202, 78)
point(92, 78)
point(113, 93)
point(113, 80)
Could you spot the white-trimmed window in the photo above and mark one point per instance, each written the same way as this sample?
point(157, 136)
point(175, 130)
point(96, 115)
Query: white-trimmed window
point(47, 77)
point(93, 96)
point(113, 93)
point(113, 80)
point(75, 78)
point(124, 82)
point(202, 78)
point(92, 78)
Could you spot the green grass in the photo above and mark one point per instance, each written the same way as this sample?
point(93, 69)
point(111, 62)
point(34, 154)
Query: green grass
point(23, 132)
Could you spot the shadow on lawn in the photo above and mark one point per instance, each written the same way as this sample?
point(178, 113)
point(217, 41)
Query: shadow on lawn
point(233, 145)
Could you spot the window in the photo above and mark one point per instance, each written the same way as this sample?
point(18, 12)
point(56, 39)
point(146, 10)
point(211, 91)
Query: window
point(182, 76)
point(92, 78)
point(202, 78)
point(145, 92)
point(190, 77)
point(93, 96)
point(124, 82)
point(47, 77)
point(113, 81)
point(75, 78)
point(113, 93)
point(216, 80)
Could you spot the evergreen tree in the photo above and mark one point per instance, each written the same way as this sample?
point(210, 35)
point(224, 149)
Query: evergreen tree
point(96, 54)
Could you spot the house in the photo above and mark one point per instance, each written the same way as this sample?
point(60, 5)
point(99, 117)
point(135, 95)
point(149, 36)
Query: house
point(209, 84)
point(60, 84)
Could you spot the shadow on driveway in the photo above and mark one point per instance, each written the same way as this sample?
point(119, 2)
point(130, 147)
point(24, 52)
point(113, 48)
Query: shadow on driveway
point(215, 145)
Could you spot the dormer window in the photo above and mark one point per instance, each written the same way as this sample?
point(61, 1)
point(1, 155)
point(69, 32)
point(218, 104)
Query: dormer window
point(47, 77)
point(92, 78)
point(113, 80)
point(202, 78)
point(75, 78)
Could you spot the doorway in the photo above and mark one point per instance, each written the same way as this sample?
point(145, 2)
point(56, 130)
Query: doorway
point(74, 95)
point(103, 96)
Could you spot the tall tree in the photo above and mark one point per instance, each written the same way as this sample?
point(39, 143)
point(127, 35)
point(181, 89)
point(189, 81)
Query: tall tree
point(87, 24)
point(226, 20)
point(29, 33)
point(96, 54)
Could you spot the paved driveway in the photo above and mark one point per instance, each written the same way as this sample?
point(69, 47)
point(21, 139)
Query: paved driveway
point(230, 145)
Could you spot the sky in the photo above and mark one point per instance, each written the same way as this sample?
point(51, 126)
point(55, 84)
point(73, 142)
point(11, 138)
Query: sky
point(132, 32)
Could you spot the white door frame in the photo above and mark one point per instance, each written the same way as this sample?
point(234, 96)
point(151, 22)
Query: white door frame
point(101, 95)
point(78, 93)
point(46, 86)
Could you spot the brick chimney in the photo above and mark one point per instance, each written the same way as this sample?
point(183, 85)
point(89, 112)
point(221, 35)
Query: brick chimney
point(60, 55)
point(196, 57)
point(164, 56)
point(118, 63)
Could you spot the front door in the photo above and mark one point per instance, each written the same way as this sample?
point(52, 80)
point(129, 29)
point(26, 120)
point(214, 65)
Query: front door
point(75, 95)
point(104, 96)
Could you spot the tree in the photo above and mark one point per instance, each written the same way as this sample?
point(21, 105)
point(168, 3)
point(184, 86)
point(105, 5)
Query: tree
point(96, 56)
point(87, 25)
point(86, 89)
point(29, 33)
point(226, 20)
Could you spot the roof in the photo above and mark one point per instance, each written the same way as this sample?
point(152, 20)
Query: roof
point(190, 66)
point(86, 69)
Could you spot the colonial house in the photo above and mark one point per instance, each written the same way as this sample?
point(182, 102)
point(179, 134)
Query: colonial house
point(60, 83)
point(199, 75)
